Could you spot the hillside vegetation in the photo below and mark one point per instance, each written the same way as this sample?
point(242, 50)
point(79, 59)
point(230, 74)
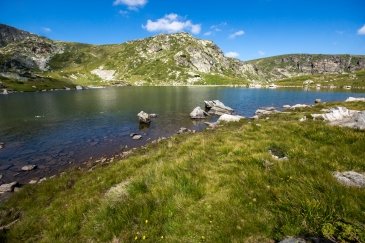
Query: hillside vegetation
point(29, 62)
point(219, 185)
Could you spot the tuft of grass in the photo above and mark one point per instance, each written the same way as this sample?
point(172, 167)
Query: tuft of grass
point(217, 186)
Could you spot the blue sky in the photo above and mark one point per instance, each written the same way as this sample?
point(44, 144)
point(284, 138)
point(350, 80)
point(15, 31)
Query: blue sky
point(249, 29)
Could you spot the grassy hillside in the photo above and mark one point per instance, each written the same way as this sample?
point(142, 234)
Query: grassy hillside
point(29, 62)
point(354, 80)
point(216, 186)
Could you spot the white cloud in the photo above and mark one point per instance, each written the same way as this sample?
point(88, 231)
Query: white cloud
point(123, 13)
point(236, 34)
point(261, 53)
point(361, 31)
point(172, 23)
point(131, 4)
point(232, 54)
point(215, 28)
point(218, 27)
point(340, 32)
point(47, 29)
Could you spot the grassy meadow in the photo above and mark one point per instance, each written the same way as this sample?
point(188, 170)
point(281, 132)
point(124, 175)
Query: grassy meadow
point(220, 185)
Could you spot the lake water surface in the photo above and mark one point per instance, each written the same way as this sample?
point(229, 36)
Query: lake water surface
point(55, 129)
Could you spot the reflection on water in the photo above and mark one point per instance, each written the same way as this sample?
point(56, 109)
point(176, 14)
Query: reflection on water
point(52, 129)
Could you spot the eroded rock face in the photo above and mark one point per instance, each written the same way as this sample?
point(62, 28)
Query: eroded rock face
point(9, 35)
point(350, 178)
point(107, 75)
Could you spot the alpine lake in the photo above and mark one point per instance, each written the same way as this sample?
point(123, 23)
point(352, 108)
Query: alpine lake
point(60, 129)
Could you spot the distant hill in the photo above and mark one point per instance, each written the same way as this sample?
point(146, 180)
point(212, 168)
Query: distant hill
point(30, 62)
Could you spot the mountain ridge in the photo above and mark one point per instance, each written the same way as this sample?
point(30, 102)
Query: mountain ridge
point(164, 59)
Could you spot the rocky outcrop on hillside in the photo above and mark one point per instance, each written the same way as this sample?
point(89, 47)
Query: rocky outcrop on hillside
point(286, 66)
point(10, 34)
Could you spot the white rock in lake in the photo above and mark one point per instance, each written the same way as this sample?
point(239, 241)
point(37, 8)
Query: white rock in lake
point(78, 87)
point(352, 99)
point(198, 113)
point(144, 117)
point(137, 137)
point(29, 167)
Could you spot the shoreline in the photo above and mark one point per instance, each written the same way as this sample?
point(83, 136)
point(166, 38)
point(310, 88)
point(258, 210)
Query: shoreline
point(91, 162)
point(326, 88)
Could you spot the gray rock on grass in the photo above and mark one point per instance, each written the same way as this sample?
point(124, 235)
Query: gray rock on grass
point(350, 178)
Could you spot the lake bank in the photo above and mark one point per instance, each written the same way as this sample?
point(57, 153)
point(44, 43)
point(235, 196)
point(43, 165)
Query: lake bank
point(59, 130)
point(217, 185)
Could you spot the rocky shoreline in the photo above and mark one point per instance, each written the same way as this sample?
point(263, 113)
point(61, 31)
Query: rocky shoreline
point(338, 116)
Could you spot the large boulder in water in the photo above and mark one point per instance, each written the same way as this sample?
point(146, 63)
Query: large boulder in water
point(144, 117)
point(198, 113)
point(217, 107)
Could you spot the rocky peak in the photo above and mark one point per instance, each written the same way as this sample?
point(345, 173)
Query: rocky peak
point(10, 34)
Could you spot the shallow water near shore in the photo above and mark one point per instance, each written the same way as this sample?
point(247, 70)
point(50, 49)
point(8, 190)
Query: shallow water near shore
point(54, 130)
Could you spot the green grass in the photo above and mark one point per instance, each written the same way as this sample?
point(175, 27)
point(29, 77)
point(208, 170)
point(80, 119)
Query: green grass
point(215, 79)
point(355, 80)
point(217, 186)
point(35, 84)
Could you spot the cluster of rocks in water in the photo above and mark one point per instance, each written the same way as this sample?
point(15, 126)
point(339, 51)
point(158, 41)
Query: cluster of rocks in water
point(217, 108)
point(14, 186)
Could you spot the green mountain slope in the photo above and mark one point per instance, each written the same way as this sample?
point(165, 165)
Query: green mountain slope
point(30, 62)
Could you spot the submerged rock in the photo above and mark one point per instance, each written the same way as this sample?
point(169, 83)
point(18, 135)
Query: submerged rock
point(153, 115)
point(136, 137)
point(198, 113)
point(28, 167)
point(350, 178)
point(352, 99)
point(144, 117)
point(317, 101)
point(2, 145)
point(8, 187)
point(217, 107)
